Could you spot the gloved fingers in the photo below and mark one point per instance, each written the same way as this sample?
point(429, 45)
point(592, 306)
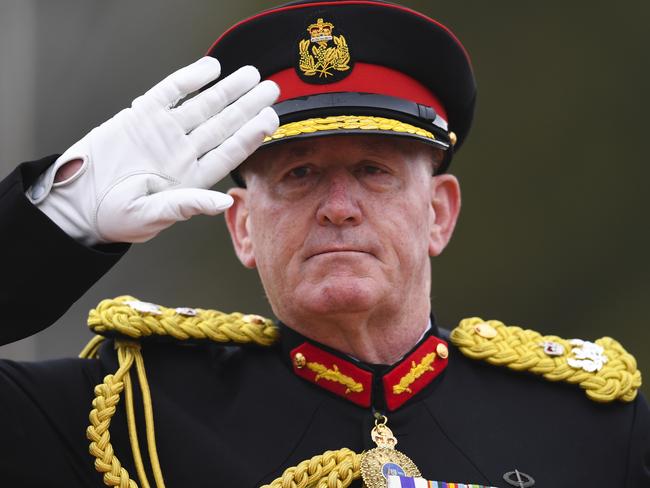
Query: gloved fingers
point(216, 130)
point(216, 164)
point(197, 110)
point(160, 210)
point(185, 81)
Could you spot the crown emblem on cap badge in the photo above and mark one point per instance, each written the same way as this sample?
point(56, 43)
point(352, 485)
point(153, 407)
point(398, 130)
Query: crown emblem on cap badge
point(328, 53)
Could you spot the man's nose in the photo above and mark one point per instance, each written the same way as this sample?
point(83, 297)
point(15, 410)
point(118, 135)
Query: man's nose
point(340, 204)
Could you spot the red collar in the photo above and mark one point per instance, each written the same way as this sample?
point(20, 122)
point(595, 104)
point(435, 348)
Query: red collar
point(366, 385)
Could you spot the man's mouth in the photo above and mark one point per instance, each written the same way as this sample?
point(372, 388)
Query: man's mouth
point(338, 250)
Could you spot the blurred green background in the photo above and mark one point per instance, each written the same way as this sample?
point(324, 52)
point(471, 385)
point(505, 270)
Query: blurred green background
point(553, 234)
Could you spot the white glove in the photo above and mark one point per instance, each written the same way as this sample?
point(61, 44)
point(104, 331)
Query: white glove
point(150, 165)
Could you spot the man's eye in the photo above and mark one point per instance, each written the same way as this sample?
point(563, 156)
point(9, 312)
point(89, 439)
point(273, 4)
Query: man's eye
point(300, 172)
point(370, 169)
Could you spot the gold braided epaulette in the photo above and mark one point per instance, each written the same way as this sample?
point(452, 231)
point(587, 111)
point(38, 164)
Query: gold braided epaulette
point(604, 369)
point(132, 318)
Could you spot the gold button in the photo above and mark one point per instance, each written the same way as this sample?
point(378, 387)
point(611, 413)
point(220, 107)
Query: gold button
point(485, 330)
point(299, 360)
point(253, 319)
point(442, 351)
point(453, 138)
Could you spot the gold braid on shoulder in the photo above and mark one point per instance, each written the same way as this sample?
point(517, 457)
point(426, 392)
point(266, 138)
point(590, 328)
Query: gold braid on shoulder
point(604, 369)
point(127, 320)
point(128, 317)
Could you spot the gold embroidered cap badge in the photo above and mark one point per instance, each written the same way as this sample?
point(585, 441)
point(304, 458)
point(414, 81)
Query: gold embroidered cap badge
point(323, 54)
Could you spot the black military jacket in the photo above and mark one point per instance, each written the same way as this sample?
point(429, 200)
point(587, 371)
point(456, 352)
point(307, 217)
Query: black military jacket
point(239, 416)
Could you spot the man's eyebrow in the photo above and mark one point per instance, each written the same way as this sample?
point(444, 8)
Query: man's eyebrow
point(298, 151)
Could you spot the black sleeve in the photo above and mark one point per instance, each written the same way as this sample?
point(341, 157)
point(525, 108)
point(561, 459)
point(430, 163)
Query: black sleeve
point(45, 270)
point(638, 471)
point(44, 410)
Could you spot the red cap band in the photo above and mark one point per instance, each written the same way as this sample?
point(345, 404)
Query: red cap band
point(364, 78)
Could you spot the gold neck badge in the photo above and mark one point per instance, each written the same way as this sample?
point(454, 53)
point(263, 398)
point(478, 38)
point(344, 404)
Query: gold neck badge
point(384, 460)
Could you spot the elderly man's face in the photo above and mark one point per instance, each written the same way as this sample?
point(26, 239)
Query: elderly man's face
point(342, 224)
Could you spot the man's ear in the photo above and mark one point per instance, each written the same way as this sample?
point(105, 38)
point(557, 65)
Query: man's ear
point(237, 219)
point(445, 204)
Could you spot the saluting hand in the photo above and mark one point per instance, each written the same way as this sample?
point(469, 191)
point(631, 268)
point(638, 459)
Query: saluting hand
point(151, 164)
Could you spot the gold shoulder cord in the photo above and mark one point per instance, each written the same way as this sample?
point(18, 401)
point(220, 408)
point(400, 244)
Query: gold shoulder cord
point(129, 319)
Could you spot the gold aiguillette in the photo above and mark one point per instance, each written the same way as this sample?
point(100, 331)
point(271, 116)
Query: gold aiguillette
point(384, 460)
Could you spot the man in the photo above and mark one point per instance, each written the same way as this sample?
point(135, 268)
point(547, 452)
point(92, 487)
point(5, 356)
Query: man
point(339, 211)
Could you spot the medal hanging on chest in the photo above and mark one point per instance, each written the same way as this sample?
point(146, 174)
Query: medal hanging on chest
point(384, 460)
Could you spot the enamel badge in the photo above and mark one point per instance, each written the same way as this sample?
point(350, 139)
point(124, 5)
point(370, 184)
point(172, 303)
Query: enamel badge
point(384, 460)
point(324, 57)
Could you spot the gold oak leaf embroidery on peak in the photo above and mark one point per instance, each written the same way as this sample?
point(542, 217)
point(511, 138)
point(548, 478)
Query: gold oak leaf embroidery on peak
point(336, 376)
point(416, 371)
point(362, 122)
